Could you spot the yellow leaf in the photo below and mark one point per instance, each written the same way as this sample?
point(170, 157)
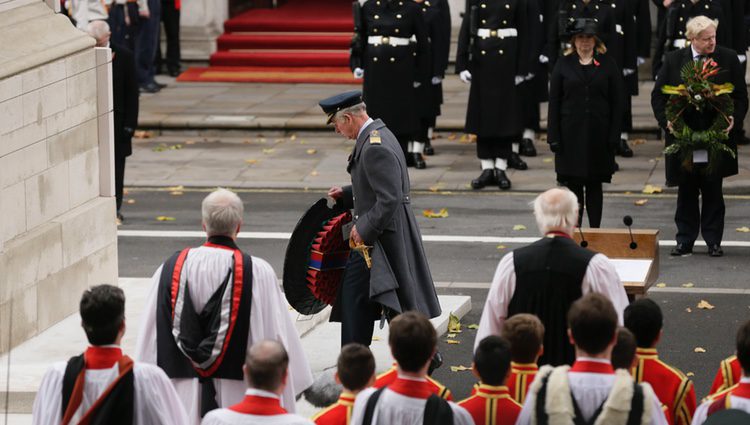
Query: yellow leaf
point(143, 134)
point(252, 161)
point(743, 229)
point(436, 187)
point(473, 326)
point(705, 305)
point(547, 160)
point(247, 141)
point(293, 137)
point(459, 368)
point(451, 335)
point(164, 218)
point(432, 214)
point(376, 338)
point(501, 247)
point(175, 147)
point(268, 151)
point(454, 324)
point(452, 341)
point(176, 193)
point(189, 142)
point(661, 285)
point(178, 187)
point(690, 374)
point(262, 140)
point(277, 141)
point(649, 189)
point(130, 201)
point(302, 142)
point(689, 310)
point(637, 142)
point(519, 227)
point(452, 136)
point(159, 148)
point(641, 202)
point(126, 191)
point(311, 151)
point(688, 285)
point(314, 173)
point(700, 350)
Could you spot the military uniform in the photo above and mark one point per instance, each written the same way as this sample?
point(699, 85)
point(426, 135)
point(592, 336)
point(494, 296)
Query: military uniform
point(727, 376)
point(391, 47)
point(388, 377)
point(493, 47)
point(519, 380)
point(340, 413)
point(492, 405)
point(534, 90)
point(672, 387)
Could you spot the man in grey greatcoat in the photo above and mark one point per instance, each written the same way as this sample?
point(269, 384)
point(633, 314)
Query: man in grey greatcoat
point(400, 278)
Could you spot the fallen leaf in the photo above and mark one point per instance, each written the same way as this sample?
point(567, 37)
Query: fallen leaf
point(376, 338)
point(637, 142)
point(452, 136)
point(467, 138)
point(125, 191)
point(268, 151)
point(175, 147)
point(459, 368)
point(314, 173)
point(689, 310)
point(501, 247)
point(743, 229)
point(130, 201)
point(159, 148)
point(293, 137)
point(302, 142)
point(311, 151)
point(262, 140)
point(454, 324)
point(690, 374)
point(189, 142)
point(277, 141)
point(451, 335)
point(705, 305)
point(143, 134)
point(443, 213)
point(252, 161)
point(548, 160)
point(452, 341)
point(688, 285)
point(519, 227)
point(700, 350)
point(247, 141)
point(649, 189)
point(661, 285)
point(164, 218)
point(176, 193)
point(640, 202)
point(435, 188)
point(473, 326)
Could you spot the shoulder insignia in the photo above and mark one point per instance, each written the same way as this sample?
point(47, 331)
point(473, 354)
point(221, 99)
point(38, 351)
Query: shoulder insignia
point(374, 137)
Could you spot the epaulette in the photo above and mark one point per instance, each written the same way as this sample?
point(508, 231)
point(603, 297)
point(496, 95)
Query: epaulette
point(374, 137)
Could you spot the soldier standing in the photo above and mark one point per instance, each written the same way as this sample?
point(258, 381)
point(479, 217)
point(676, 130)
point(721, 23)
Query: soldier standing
point(623, 49)
point(533, 90)
point(493, 56)
point(390, 50)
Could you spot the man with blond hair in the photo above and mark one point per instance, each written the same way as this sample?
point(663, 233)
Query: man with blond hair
point(704, 175)
point(546, 277)
point(207, 306)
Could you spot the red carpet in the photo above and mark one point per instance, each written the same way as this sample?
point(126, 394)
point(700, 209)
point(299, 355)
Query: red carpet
point(306, 39)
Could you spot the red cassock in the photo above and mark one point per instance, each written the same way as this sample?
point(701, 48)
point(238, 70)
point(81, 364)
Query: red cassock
point(388, 377)
point(339, 413)
point(492, 405)
point(728, 375)
point(672, 387)
point(520, 378)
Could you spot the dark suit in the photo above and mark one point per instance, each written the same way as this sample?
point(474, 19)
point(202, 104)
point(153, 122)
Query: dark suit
point(125, 110)
point(688, 217)
point(400, 278)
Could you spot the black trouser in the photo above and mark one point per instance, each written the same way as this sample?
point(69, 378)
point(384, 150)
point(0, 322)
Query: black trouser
point(403, 141)
point(689, 218)
point(495, 147)
point(357, 311)
point(590, 198)
point(170, 17)
point(627, 118)
point(119, 179)
point(124, 33)
point(424, 126)
point(146, 42)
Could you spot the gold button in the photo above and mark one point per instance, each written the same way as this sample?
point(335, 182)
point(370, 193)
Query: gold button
point(483, 52)
point(681, 19)
point(500, 51)
point(378, 2)
point(596, 19)
point(424, 9)
point(505, 22)
point(375, 59)
point(493, 33)
point(393, 59)
point(385, 39)
point(396, 30)
point(706, 6)
point(484, 21)
point(484, 6)
point(376, 17)
point(597, 7)
point(414, 54)
point(374, 30)
point(507, 6)
point(614, 6)
point(398, 16)
point(400, 3)
point(574, 6)
point(502, 37)
point(683, 5)
point(680, 32)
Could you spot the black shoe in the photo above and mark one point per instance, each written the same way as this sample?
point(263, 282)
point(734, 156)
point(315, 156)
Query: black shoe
point(160, 85)
point(515, 161)
point(624, 150)
point(714, 250)
point(409, 159)
point(502, 180)
point(435, 363)
point(150, 88)
point(418, 161)
point(174, 72)
point(527, 147)
point(744, 140)
point(617, 166)
point(485, 179)
point(681, 250)
point(428, 149)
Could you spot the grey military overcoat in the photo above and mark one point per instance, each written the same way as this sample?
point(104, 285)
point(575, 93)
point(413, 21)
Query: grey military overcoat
point(400, 277)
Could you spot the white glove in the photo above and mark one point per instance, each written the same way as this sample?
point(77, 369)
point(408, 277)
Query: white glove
point(359, 72)
point(742, 58)
point(528, 76)
point(465, 76)
point(436, 80)
point(543, 59)
point(640, 61)
point(628, 71)
point(417, 84)
point(519, 79)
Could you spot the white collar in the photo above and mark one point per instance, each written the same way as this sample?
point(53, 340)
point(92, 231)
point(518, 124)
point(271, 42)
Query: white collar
point(695, 54)
point(410, 378)
point(364, 126)
point(106, 346)
point(745, 380)
point(591, 359)
point(261, 393)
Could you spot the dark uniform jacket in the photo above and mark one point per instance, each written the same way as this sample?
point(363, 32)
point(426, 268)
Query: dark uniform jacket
point(623, 46)
point(570, 10)
point(732, 72)
point(400, 277)
point(585, 115)
point(437, 18)
point(124, 99)
point(494, 62)
point(390, 70)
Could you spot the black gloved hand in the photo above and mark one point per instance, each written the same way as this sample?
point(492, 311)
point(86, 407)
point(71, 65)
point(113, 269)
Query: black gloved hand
point(555, 147)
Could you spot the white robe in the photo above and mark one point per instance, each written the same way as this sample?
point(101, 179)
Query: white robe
point(155, 400)
point(205, 269)
point(230, 417)
point(600, 277)
point(741, 403)
point(393, 408)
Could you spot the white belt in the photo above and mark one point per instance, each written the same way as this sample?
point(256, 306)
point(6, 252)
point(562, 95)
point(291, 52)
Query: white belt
point(618, 28)
point(391, 41)
point(500, 33)
point(679, 43)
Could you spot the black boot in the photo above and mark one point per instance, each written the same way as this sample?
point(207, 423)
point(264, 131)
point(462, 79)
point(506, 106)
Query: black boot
point(503, 182)
point(409, 159)
point(418, 160)
point(428, 149)
point(515, 161)
point(485, 179)
point(527, 147)
point(624, 150)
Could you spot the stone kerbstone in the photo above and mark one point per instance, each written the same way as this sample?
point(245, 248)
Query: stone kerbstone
point(84, 177)
point(75, 141)
point(12, 211)
point(22, 164)
point(17, 139)
point(47, 195)
point(81, 87)
point(31, 257)
point(87, 228)
point(80, 62)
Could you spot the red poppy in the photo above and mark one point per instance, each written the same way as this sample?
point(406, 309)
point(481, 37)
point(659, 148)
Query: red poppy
point(596, 62)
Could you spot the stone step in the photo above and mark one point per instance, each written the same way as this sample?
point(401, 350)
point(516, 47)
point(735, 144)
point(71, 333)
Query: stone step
point(320, 339)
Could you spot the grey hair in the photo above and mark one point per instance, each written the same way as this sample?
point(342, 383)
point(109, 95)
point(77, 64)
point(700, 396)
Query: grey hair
point(697, 25)
point(556, 209)
point(222, 212)
point(355, 110)
point(98, 29)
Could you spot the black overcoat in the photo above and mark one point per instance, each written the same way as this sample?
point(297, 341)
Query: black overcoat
point(731, 72)
point(124, 99)
point(584, 117)
point(494, 106)
point(390, 71)
point(623, 45)
point(437, 18)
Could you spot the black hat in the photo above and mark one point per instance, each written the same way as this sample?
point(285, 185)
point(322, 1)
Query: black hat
point(586, 26)
point(340, 101)
point(728, 417)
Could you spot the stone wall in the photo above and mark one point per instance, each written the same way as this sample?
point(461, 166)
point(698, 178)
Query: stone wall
point(57, 232)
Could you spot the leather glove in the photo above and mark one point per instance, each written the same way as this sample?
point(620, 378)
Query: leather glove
point(417, 84)
point(519, 79)
point(555, 147)
point(543, 59)
point(640, 61)
point(436, 80)
point(627, 71)
point(359, 72)
point(465, 76)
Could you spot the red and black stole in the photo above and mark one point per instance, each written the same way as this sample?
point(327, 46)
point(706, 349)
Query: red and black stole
point(115, 404)
point(210, 343)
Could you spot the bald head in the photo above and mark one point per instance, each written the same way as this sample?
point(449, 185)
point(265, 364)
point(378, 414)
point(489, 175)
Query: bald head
point(556, 210)
point(100, 31)
point(266, 366)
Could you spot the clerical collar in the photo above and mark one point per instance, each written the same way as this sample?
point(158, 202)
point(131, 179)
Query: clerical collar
point(411, 378)
point(554, 233)
point(364, 126)
point(102, 356)
point(220, 241)
point(261, 393)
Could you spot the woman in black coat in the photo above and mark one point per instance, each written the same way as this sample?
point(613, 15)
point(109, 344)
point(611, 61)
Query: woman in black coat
point(584, 119)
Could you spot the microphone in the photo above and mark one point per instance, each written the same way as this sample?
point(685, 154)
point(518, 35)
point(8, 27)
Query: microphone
point(628, 221)
point(584, 244)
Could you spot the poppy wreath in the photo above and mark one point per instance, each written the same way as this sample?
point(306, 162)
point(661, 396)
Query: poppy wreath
point(707, 107)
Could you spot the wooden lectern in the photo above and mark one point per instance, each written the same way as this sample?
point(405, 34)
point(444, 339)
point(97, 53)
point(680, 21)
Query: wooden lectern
point(638, 268)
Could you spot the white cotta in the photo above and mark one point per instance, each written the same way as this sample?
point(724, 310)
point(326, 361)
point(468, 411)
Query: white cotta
point(741, 403)
point(230, 417)
point(204, 270)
